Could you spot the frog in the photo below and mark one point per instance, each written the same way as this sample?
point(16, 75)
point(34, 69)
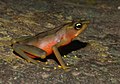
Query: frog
point(45, 43)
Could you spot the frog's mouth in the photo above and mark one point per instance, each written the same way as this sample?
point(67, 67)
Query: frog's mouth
point(85, 25)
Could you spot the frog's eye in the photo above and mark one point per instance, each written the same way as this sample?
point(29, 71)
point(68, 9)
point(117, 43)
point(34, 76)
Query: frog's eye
point(78, 26)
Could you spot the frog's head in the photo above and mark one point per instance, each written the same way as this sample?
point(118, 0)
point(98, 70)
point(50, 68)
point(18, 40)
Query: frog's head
point(75, 27)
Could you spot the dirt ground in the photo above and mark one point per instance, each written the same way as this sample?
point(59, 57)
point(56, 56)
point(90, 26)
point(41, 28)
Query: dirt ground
point(94, 56)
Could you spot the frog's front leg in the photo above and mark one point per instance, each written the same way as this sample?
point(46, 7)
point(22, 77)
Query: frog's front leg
point(23, 49)
point(58, 55)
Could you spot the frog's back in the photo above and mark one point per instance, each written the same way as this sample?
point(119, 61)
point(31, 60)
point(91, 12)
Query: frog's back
point(40, 36)
point(49, 32)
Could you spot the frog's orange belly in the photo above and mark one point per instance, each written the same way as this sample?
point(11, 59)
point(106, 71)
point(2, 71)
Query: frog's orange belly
point(47, 48)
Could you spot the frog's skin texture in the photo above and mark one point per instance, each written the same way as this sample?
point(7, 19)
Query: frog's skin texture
point(45, 43)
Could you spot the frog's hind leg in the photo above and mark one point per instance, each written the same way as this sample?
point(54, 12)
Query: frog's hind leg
point(22, 50)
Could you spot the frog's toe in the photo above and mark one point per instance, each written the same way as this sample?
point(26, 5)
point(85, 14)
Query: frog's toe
point(33, 61)
point(66, 67)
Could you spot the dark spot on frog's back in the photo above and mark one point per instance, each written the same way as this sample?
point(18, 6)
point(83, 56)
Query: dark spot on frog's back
point(73, 46)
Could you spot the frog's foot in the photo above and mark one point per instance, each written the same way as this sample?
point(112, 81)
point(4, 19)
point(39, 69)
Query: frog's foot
point(32, 60)
point(66, 67)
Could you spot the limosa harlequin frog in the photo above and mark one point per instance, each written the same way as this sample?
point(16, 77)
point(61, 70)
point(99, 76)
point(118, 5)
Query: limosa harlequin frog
point(45, 43)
